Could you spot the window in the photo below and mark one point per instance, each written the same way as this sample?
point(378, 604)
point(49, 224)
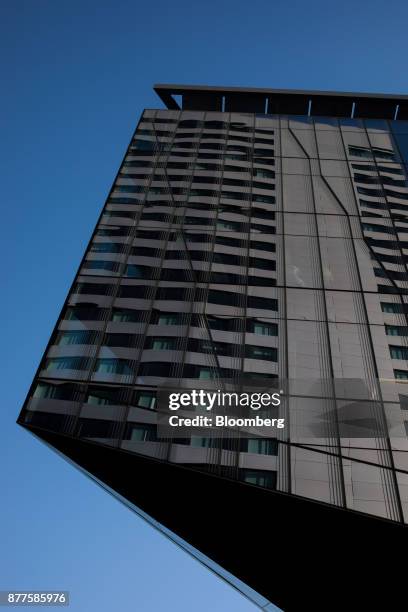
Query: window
point(96, 428)
point(375, 193)
point(170, 318)
point(201, 442)
point(393, 307)
point(395, 274)
point(124, 340)
point(262, 264)
point(261, 446)
point(396, 330)
point(371, 227)
point(263, 246)
point(145, 399)
point(206, 346)
point(263, 152)
point(126, 315)
point(161, 344)
point(133, 291)
point(104, 396)
point(263, 329)
point(263, 303)
point(114, 231)
point(135, 271)
point(142, 433)
point(114, 366)
point(263, 198)
point(261, 478)
point(65, 391)
point(263, 173)
point(143, 145)
point(265, 353)
point(145, 252)
point(111, 266)
point(228, 225)
point(93, 289)
point(107, 247)
point(206, 373)
point(360, 152)
point(129, 188)
point(264, 229)
point(156, 368)
point(136, 163)
point(123, 200)
point(85, 313)
point(265, 161)
point(47, 420)
point(401, 374)
point(399, 352)
point(367, 179)
point(121, 213)
point(222, 323)
point(223, 297)
point(76, 337)
point(66, 363)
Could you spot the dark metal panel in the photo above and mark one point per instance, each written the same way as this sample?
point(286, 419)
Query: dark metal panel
point(202, 101)
point(375, 109)
point(215, 516)
point(403, 110)
point(245, 103)
point(287, 104)
point(331, 106)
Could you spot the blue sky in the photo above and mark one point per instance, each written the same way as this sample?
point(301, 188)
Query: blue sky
point(76, 76)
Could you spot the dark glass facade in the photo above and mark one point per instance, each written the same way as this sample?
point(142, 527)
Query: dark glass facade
point(246, 236)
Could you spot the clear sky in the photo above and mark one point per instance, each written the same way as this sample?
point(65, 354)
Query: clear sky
point(75, 77)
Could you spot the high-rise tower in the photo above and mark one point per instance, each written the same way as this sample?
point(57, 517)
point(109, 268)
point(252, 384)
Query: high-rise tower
point(249, 235)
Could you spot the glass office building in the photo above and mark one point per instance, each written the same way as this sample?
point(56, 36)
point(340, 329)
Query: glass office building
point(249, 235)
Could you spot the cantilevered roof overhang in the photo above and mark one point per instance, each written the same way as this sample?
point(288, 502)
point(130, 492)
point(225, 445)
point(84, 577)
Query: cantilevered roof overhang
point(284, 101)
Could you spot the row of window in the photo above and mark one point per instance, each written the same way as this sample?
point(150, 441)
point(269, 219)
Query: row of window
point(199, 145)
point(377, 167)
point(381, 193)
point(211, 180)
point(397, 308)
point(193, 255)
point(231, 195)
point(171, 216)
point(398, 352)
point(246, 155)
point(369, 153)
point(401, 374)
point(96, 395)
point(213, 296)
point(206, 124)
point(176, 136)
point(218, 224)
point(378, 180)
point(126, 367)
point(213, 209)
point(182, 274)
point(387, 244)
point(182, 294)
point(166, 343)
point(257, 172)
point(396, 330)
point(190, 237)
point(91, 312)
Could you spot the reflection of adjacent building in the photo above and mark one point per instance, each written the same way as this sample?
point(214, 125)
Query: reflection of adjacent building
point(242, 245)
